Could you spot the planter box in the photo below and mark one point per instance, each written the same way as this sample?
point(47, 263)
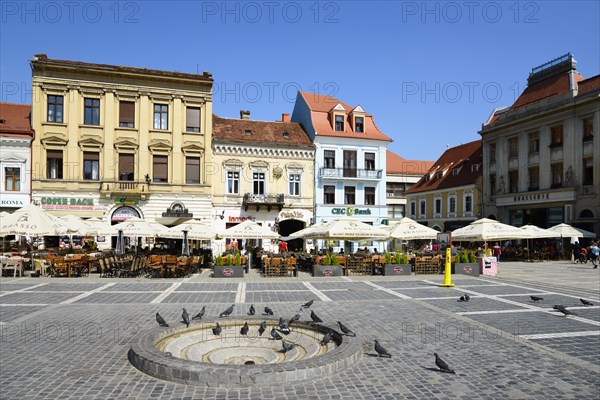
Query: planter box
point(471, 269)
point(327, 270)
point(396, 269)
point(234, 271)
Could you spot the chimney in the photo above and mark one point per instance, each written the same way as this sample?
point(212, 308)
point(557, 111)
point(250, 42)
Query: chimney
point(285, 117)
point(244, 114)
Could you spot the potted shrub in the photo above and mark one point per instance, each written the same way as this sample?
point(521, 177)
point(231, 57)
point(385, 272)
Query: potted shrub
point(228, 266)
point(329, 267)
point(466, 264)
point(396, 264)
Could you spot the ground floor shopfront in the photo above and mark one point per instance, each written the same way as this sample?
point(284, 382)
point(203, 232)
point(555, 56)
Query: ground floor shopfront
point(161, 208)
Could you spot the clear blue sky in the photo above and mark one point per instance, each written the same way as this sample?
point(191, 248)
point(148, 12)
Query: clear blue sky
point(430, 72)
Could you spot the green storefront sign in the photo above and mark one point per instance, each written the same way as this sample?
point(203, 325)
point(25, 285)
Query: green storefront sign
point(350, 211)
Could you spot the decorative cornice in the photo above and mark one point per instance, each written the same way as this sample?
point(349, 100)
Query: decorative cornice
point(263, 152)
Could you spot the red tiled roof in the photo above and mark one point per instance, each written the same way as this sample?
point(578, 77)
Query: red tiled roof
point(320, 105)
point(588, 85)
point(463, 157)
point(552, 86)
point(15, 119)
point(399, 165)
point(262, 132)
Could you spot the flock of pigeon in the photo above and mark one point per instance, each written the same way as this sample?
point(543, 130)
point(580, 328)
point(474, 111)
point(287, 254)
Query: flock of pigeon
point(284, 328)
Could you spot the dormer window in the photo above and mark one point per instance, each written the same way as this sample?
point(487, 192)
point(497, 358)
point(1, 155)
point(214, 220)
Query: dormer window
point(359, 124)
point(475, 167)
point(426, 178)
point(438, 175)
point(286, 135)
point(339, 123)
point(247, 132)
point(455, 171)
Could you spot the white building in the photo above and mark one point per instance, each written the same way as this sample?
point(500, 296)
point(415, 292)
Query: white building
point(15, 156)
point(350, 163)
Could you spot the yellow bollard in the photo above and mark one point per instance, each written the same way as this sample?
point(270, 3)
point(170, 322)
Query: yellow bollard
point(447, 269)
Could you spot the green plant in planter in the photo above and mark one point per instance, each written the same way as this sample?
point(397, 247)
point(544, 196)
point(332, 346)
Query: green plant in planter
point(229, 260)
point(464, 257)
point(472, 258)
point(327, 259)
point(219, 261)
point(238, 259)
point(388, 258)
point(334, 260)
point(397, 258)
point(404, 258)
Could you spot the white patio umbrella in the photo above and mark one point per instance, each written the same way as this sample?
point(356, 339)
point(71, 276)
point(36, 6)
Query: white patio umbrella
point(408, 229)
point(349, 229)
point(249, 230)
point(566, 230)
point(485, 229)
point(534, 232)
point(196, 230)
point(79, 226)
point(132, 227)
point(31, 220)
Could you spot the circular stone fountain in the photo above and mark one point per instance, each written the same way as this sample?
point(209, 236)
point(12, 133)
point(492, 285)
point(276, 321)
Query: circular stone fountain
point(196, 356)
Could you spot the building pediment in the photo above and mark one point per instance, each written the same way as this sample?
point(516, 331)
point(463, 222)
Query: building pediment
point(12, 158)
point(160, 145)
point(91, 142)
point(259, 164)
point(54, 140)
point(126, 143)
point(192, 147)
point(358, 110)
point(338, 108)
point(232, 162)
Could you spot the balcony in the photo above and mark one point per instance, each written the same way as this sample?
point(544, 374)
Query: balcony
point(269, 200)
point(354, 173)
point(125, 189)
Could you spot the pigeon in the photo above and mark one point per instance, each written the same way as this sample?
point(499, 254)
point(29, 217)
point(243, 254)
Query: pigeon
point(536, 298)
point(185, 317)
point(285, 347)
point(295, 318)
point(283, 325)
point(308, 304)
point(252, 311)
point(566, 312)
point(262, 328)
point(442, 364)
point(467, 297)
point(345, 329)
point(161, 321)
point(244, 330)
point(227, 312)
point(462, 298)
point(326, 339)
point(315, 317)
point(200, 314)
point(585, 302)
point(217, 329)
point(559, 307)
point(268, 311)
point(381, 351)
point(275, 334)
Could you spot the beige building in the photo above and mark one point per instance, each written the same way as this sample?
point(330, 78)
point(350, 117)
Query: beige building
point(119, 142)
point(263, 171)
point(449, 195)
point(542, 154)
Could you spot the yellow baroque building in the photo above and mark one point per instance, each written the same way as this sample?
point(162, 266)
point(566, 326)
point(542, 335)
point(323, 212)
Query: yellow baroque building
point(119, 142)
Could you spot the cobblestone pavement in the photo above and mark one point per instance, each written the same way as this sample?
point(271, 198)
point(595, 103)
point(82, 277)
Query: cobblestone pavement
point(68, 338)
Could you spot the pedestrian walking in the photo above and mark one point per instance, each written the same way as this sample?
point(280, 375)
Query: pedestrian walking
point(497, 251)
point(594, 253)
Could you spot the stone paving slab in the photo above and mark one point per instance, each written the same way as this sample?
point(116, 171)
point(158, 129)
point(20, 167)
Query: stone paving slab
point(36, 298)
point(493, 290)
point(533, 323)
point(287, 285)
point(199, 298)
point(359, 295)
point(583, 347)
point(209, 286)
point(549, 300)
point(341, 285)
point(475, 304)
point(78, 286)
point(8, 314)
point(117, 298)
point(299, 297)
point(9, 287)
point(138, 286)
point(431, 291)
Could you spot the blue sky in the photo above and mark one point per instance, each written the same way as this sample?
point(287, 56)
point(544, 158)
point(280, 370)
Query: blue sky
point(430, 72)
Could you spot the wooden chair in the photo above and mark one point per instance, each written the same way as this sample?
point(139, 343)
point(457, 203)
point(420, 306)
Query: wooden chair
point(16, 266)
point(292, 266)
